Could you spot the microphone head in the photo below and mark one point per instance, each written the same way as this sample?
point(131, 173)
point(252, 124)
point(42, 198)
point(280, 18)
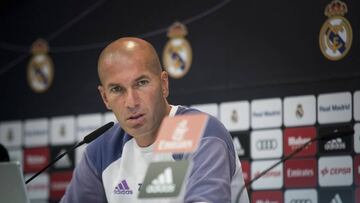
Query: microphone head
point(331, 133)
point(92, 136)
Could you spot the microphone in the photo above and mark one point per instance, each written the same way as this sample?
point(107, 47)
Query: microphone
point(326, 135)
point(87, 139)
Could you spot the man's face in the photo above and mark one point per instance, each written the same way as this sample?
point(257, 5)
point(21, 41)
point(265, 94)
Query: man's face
point(135, 94)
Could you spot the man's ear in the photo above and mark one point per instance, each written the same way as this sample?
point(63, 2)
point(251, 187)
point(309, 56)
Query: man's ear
point(103, 96)
point(165, 83)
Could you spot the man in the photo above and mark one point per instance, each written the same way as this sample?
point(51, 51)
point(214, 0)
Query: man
point(135, 88)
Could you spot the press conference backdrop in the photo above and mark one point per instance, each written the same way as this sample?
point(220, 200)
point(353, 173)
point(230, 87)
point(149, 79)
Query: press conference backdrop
point(276, 73)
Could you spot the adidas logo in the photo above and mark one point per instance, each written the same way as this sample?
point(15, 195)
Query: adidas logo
point(239, 149)
point(336, 199)
point(65, 162)
point(163, 183)
point(122, 188)
point(335, 144)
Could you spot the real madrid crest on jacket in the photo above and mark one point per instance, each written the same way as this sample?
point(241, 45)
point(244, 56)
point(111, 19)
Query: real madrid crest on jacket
point(40, 70)
point(177, 55)
point(336, 34)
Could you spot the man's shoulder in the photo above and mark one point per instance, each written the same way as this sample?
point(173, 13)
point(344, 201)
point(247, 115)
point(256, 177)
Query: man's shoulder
point(213, 123)
point(107, 148)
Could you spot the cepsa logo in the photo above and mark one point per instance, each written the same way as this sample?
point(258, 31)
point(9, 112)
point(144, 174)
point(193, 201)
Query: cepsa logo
point(335, 171)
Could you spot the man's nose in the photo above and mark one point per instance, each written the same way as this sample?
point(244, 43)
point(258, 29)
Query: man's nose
point(132, 99)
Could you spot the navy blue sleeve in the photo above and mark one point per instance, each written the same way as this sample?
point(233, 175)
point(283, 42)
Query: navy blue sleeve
point(86, 184)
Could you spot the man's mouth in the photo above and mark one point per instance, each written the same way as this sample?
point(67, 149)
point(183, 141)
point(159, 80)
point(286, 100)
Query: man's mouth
point(135, 117)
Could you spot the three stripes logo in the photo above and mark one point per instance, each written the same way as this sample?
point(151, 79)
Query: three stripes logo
point(336, 199)
point(123, 188)
point(163, 183)
point(164, 179)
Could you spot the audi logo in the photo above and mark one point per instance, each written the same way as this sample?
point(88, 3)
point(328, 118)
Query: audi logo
point(301, 201)
point(268, 144)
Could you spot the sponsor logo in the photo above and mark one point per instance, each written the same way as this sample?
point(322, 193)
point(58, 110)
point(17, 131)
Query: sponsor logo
point(58, 183)
point(301, 201)
point(267, 197)
point(266, 113)
point(334, 107)
point(271, 180)
point(163, 183)
point(343, 144)
point(87, 123)
point(336, 199)
point(239, 149)
point(123, 189)
point(177, 55)
point(297, 142)
point(335, 144)
point(294, 138)
point(300, 173)
point(64, 162)
point(180, 133)
point(35, 159)
point(39, 187)
point(36, 132)
point(241, 144)
point(335, 37)
point(296, 173)
point(301, 196)
point(267, 144)
point(336, 195)
point(167, 183)
point(335, 171)
point(40, 70)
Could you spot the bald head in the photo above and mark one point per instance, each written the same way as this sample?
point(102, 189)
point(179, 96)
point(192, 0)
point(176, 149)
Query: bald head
point(129, 50)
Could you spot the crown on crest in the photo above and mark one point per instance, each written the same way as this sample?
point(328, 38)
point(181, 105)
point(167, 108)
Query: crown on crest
point(40, 46)
point(177, 30)
point(336, 8)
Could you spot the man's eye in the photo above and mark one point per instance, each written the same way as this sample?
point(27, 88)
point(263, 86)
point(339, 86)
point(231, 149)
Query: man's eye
point(116, 89)
point(142, 82)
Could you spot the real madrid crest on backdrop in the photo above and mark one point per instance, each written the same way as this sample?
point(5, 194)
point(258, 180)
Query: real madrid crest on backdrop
point(177, 55)
point(40, 70)
point(336, 34)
